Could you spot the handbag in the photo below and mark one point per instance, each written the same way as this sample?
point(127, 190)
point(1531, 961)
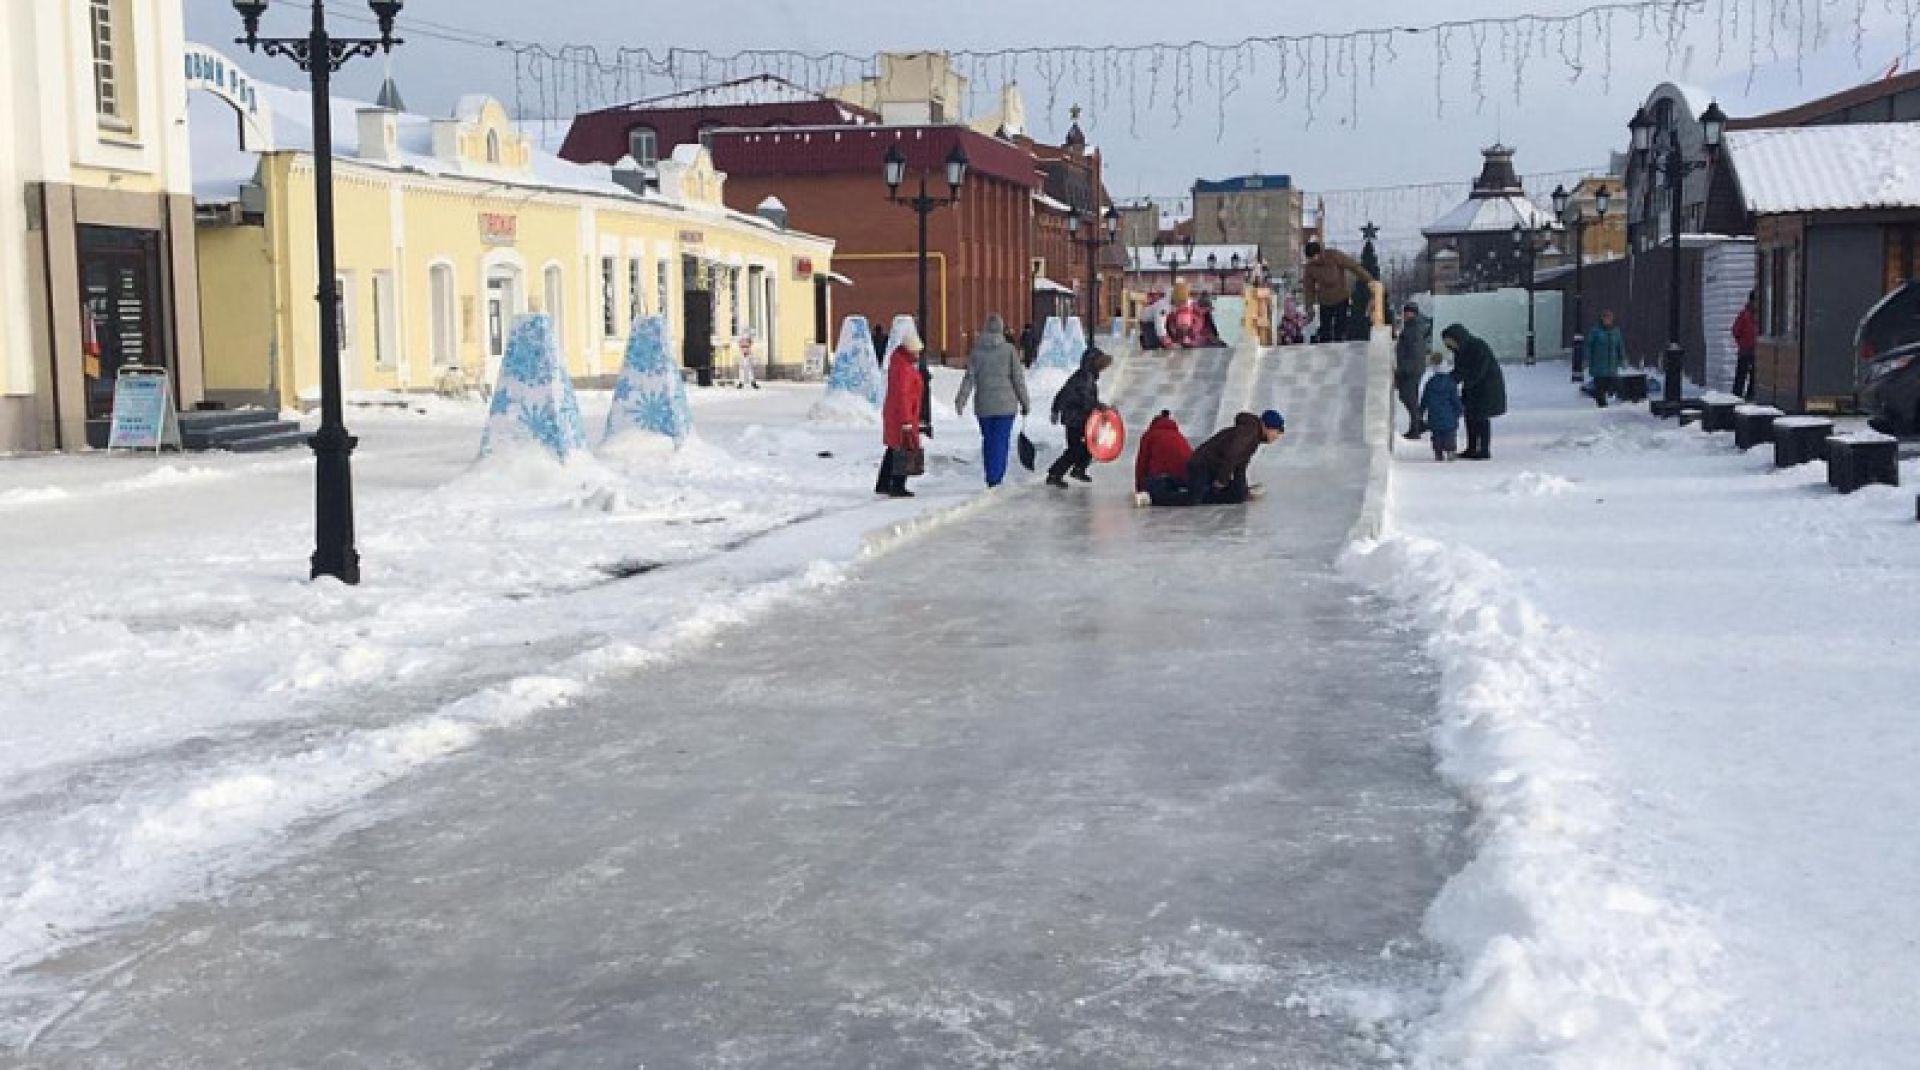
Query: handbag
point(1028, 453)
point(913, 461)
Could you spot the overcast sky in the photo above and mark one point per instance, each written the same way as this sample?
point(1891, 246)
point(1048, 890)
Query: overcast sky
point(1556, 124)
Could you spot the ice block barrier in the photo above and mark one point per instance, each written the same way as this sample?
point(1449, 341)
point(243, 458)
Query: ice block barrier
point(856, 366)
point(651, 395)
point(533, 403)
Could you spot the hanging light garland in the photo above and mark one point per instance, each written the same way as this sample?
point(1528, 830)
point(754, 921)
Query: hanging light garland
point(1132, 83)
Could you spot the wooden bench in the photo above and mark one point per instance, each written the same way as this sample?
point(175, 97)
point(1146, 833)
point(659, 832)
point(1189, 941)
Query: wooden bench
point(1862, 457)
point(1630, 386)
point(1716, 412)
point(1753, 424)
point(1800, 440)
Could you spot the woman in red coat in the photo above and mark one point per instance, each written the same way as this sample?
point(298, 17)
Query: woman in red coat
point(900, 416)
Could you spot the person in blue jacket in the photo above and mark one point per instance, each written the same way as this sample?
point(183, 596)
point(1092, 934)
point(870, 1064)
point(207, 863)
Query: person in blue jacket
point(1606, 350)
point(1440, 409)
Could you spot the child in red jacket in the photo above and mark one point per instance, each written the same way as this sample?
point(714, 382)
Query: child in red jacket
point(1164, 453)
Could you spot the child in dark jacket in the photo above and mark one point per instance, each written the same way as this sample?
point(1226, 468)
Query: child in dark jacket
point(1440, 408)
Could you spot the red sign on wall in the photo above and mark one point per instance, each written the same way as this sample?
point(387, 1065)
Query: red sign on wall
point(802, 268)
point(499, 229)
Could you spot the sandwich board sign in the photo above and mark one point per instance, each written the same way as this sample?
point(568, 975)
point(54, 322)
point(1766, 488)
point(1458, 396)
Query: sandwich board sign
point(143, 416)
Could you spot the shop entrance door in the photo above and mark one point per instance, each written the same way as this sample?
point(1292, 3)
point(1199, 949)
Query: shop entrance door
point(121, 323)
point(503, 303)
point(696, 319)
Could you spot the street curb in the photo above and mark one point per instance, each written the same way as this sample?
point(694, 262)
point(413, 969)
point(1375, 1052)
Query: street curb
point(1378, 422)
point(884, 540)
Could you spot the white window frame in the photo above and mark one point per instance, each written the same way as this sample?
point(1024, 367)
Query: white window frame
point(346, 318)
point(609, 299)
point(443, 300)
point(104, 32)
point(553, 292)
point(652, 156)
point(386, 321)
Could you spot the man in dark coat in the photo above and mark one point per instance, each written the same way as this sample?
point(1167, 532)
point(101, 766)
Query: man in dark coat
point(1409, 363)
point(1483, 389)
point(1076, 401)
point(1217, 472)
point(1029, 345)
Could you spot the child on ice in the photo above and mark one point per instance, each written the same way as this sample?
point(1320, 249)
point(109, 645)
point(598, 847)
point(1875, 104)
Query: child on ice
point(1440, 408)
point(1160, 469)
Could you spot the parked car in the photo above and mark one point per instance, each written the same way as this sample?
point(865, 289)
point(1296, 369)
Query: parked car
point(1888, 342)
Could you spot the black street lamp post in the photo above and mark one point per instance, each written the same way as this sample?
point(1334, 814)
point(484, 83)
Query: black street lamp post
point(1562, 202)
point(320, 54)
point(1222, 272)
point(894, 170)
point(1526, 248)
point(1173, 259)
point(924, 205)
point(1103, 235)
point(1670, 163)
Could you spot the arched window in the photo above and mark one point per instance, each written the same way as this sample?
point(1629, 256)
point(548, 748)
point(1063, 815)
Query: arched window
point(643, 144)
point(493, 146)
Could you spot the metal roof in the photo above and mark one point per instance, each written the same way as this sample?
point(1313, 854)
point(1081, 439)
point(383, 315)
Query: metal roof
point(1486, 215)
point(1828, 168)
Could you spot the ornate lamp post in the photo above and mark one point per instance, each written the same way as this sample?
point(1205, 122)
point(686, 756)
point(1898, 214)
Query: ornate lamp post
point(1175, 258)
point(1526, 248)
point(924, 204)
point(1105, 234)
point(1562, 203)
point(1670, 163)
point(320, 53)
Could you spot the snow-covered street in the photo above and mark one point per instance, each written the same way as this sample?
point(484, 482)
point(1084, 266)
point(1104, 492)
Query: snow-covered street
point(1063, 783)
point(183, 697)
point(1679, 687)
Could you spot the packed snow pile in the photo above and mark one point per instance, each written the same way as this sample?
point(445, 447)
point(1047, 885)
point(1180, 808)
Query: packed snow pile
point(1690, 740)
point(1533, 485)
point(1568, 957)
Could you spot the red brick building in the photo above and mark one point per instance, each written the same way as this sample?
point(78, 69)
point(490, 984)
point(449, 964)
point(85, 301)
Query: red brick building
point(1072, 183)
point(831, 181)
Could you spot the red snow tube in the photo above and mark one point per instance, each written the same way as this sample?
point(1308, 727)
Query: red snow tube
point(1106, 436)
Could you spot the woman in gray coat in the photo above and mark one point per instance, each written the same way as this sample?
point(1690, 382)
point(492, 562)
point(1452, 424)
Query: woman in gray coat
point(996, 382)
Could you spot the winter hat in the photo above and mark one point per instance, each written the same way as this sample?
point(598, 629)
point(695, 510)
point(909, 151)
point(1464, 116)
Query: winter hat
point(1273, 421)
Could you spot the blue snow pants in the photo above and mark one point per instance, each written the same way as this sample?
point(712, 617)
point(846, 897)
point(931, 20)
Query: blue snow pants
point(996, 437)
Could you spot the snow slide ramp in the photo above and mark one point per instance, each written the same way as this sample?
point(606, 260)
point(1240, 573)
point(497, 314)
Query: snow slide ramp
point(1326, 391)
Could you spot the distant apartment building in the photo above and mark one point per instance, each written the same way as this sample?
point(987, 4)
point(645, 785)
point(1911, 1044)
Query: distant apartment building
point(1265, 211)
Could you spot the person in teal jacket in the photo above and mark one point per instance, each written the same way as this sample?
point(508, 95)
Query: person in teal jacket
point(1606, 351)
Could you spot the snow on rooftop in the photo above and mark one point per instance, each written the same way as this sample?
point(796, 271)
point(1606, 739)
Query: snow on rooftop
point(745, 92)
point(1853, 167)
point(1480, 215)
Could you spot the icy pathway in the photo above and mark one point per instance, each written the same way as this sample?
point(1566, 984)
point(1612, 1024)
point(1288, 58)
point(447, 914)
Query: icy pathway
point(1064, 784)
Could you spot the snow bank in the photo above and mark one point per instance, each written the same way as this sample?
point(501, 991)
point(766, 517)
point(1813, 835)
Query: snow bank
point(1566, 958)
point(1533, 485)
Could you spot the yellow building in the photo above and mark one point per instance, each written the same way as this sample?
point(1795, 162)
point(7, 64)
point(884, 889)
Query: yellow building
point(96, 215)
point(449, 228)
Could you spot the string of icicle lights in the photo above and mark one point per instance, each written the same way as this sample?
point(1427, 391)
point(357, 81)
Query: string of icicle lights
point(1326, 75)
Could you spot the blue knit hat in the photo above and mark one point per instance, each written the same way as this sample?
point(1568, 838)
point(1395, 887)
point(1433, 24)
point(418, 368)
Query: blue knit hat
point(1273, 420)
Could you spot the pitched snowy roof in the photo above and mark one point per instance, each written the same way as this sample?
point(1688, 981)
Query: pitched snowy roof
point(744, 92)
point(221, 167)
point(1485, 215)
point(1828, 168)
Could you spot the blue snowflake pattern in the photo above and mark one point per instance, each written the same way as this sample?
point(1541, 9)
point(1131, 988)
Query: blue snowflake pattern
point(534, 399)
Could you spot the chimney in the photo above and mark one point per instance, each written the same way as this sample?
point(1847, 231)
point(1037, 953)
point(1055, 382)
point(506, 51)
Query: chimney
point(379, 135)
point(773, 211)
point(630, 176)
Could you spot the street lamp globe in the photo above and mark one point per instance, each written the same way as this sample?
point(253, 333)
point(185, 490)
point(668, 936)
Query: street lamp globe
point(1602, 200)
point(1234, 262)
point(1713, 122)
point(956, 169)
point(1112, 219)
point(1519, 234)
point(894, 168)
point(1561, 199)
point(1213, 261)
point(1073, 222)
point(1642, 128)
